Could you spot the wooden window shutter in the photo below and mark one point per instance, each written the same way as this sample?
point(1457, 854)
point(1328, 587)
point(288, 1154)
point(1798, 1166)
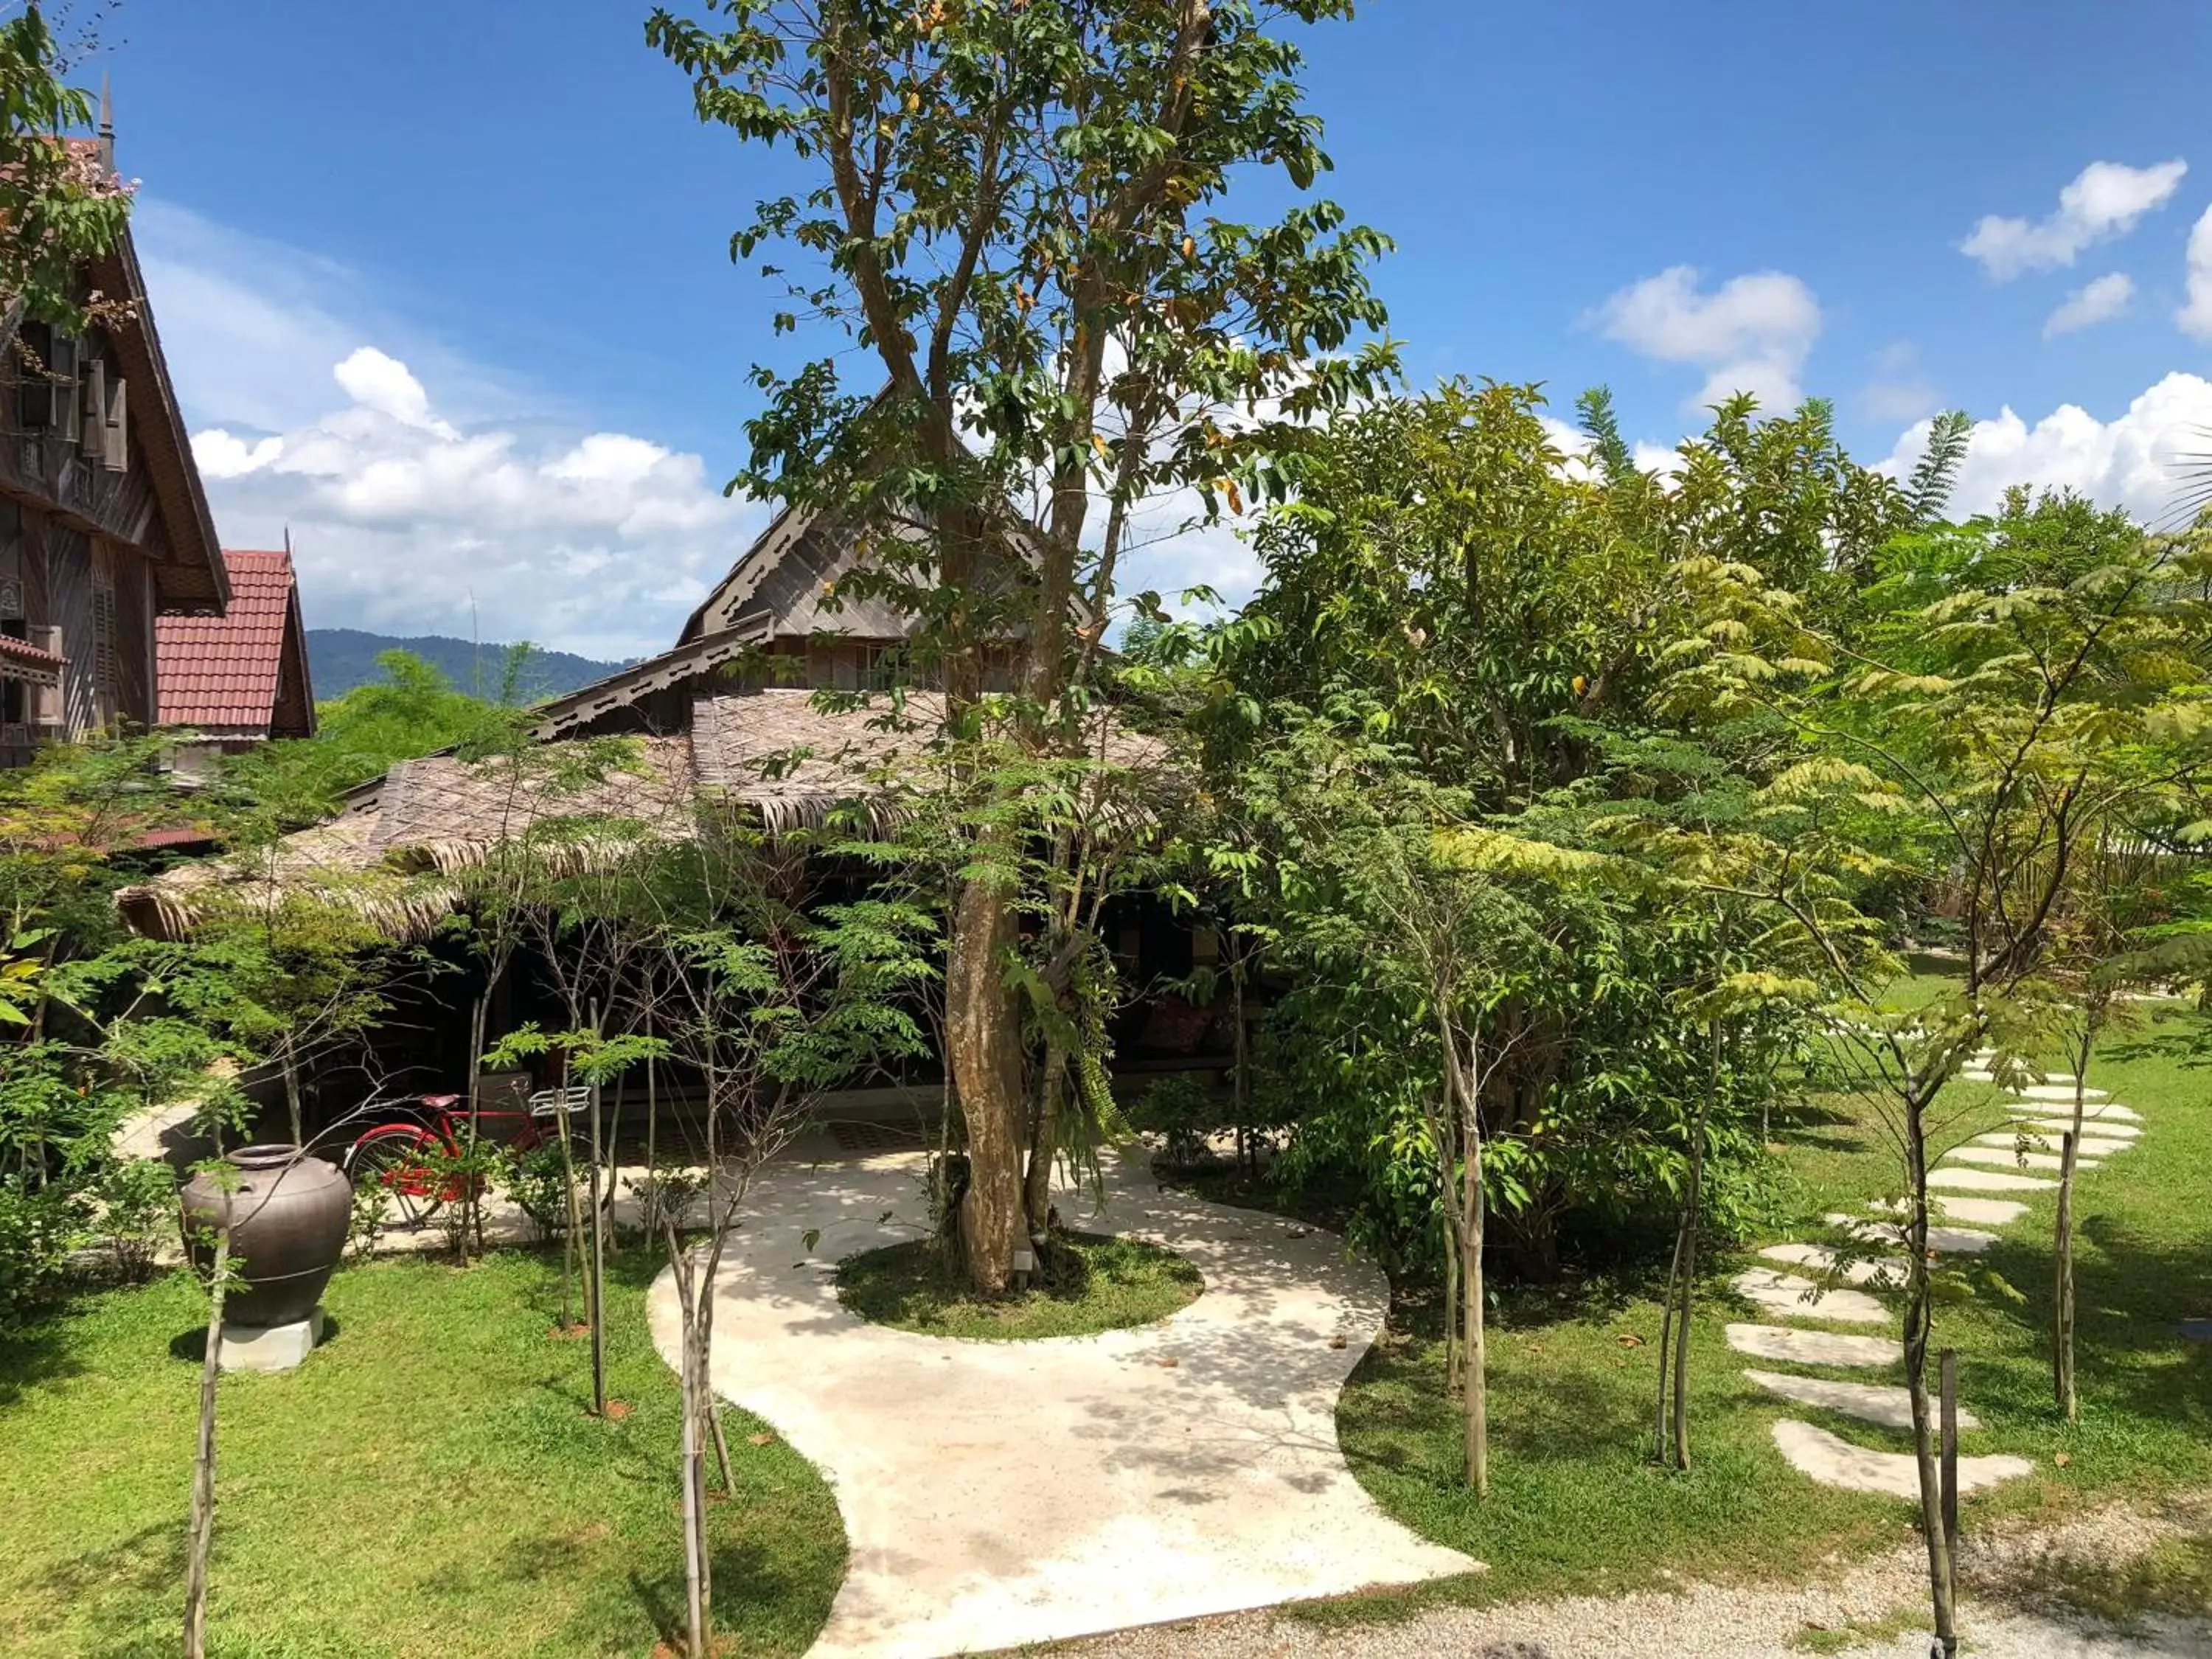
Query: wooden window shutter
point(63, 367)
point(104, 664)
point(116, 449)
point(94, 441)
point(46, 700)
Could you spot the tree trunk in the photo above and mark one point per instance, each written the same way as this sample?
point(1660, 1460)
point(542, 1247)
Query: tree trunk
point(1454, 1355)
point(695, 1518)
point(1457, 1132)
point(1689, 1299)
point(1477, 1389)
point(201, 1545)
point(2061, 1268)
point(702, 1431)
point(291, 1065)
point(984, 1035)
point(478, 1014)
point(1247, 1144)
point(1919, 1321)
point(571, 1248)
point(651, 1219)
point(1693, 1200)
point(2062, 1289)
point(711, 1412)
point(1659, 1437)
point(595, 1272)
point(1044, 1139)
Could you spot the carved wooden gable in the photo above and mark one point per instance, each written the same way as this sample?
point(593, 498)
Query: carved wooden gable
point(782, 585)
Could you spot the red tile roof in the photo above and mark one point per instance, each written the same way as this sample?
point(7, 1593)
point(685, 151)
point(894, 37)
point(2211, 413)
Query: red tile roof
point(16, 650)
point(222, 673)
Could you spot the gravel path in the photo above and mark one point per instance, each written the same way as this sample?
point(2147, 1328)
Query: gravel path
point(2008, 1613)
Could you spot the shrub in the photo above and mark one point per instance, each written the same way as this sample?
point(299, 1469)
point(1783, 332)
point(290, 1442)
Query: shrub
point(137, 1214)
point(38, 1225)
point(1181, 1111)
point(666, 1192)
point(537, 1181)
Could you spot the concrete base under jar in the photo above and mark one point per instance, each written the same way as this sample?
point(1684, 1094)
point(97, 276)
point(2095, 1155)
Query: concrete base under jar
point(269, 1347)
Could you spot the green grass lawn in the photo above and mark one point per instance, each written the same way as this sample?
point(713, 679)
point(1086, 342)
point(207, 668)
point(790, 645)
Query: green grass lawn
point(428, 1484)
point(1116, 1283)
point(1575, 1507)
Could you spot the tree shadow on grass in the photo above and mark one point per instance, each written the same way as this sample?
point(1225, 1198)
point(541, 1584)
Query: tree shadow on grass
point(110, 1587)
point(2132, 1293)
point(2154, 1285)
point(2172, 1578)
point(39, 1354)
point(749, 1592)
point(1528, 1426)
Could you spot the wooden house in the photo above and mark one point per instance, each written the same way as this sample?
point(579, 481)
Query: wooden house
point(726, 716)
point(104, 526)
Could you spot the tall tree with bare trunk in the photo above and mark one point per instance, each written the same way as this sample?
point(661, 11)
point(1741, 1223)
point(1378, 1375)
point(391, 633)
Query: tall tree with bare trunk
point(1011, 208)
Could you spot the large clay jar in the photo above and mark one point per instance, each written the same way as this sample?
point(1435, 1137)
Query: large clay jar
point(289, 1215)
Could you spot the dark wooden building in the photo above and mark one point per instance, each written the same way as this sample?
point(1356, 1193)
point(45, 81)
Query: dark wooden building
point(103, 522)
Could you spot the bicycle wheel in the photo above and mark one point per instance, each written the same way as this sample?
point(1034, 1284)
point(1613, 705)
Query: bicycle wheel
point(399, 1161)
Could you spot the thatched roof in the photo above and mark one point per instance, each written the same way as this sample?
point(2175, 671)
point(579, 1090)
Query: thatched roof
point(443, 813)
point(771, 754)
point(341, 859)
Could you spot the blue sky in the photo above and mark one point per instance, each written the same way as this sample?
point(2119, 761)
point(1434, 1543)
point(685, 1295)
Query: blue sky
point(502, 220)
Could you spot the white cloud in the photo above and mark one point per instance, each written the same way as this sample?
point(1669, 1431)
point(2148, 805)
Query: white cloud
point(2104, 200)
point(251, 328)
point(402, 522)
point(1750, 334)
point(2195, 317)
point(1898, 390)
point(423, 493)
point(2096, 302)
point(384, 384)
point(221, 455)
point(2141, 459)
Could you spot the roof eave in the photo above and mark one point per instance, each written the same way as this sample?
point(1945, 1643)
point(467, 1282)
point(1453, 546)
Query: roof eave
point(192, 542)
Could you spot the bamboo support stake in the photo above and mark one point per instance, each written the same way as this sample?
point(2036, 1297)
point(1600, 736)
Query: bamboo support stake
point(201, 1545)
point(1948, 1425)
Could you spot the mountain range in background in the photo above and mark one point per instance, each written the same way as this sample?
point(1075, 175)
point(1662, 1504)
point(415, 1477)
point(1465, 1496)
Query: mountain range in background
point(340, 658)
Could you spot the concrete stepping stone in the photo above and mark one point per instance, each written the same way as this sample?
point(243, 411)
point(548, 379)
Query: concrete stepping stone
point(1814, 1347)
point(1883, 1275)
point(1834, 1461)
point(1802, 1299)
point(2049, 1140)
point(1987, 1180)
point(1999, 1158)
point(1944, 1241)
point(1983, 1212)
point(2058, 1092)
point(2110, 1127)
point(1980, 1072)
point(1885, 1404)
point(2093, 1112)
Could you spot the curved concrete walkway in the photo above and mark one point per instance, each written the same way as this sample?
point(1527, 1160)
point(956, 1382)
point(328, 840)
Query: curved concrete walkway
point(997, 1493)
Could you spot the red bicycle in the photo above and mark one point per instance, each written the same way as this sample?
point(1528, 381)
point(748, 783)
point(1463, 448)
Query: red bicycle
point(418, 1159)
